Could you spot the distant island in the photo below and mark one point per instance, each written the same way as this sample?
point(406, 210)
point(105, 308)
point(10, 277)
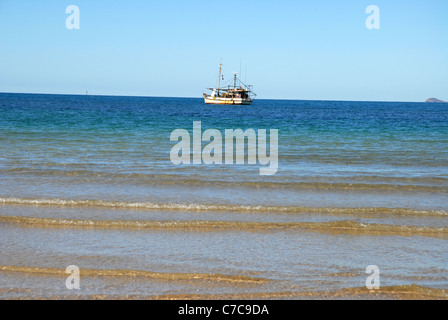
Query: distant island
point(435, 100)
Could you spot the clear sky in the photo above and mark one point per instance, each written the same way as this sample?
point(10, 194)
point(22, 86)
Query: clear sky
point(310, 50)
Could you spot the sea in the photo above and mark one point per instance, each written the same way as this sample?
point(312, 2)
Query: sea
point(92, 205)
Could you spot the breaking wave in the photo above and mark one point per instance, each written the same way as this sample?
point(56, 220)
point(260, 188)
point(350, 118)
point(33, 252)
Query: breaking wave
point(346, 227)
point(217, 207)
point(138, 273)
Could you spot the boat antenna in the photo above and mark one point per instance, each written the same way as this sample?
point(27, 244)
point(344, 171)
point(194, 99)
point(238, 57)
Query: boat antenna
point(241, 75)
point(245, 73)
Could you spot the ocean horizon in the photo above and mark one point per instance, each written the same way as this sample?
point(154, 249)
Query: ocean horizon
point(201, 98)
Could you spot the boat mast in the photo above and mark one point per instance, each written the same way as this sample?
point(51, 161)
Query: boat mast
point(219, 80)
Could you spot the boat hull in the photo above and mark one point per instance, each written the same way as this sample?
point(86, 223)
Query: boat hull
point(220, 100)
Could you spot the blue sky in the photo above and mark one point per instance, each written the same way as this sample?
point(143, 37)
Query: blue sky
point(310, 50)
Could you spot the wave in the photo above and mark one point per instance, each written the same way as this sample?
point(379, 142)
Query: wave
point(368, 183)
point(239, 279)
point(218, 207)
point(333, 227)
point(402, 292)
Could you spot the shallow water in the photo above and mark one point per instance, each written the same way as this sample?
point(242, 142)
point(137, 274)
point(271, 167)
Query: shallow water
point(88, 181)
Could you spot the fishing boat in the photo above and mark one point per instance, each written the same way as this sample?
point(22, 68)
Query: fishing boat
point(238, 93)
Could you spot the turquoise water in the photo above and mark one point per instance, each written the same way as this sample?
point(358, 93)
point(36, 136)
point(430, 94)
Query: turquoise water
point(98, 158)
